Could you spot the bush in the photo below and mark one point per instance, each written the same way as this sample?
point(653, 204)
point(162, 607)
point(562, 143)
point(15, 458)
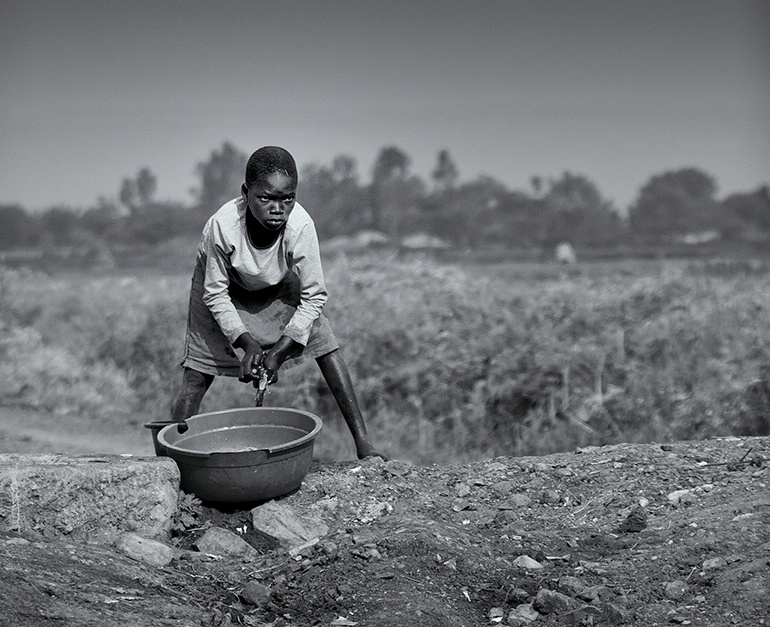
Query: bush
point(450, 364)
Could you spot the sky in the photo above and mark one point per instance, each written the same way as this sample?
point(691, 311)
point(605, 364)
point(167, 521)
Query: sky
point(615, 90)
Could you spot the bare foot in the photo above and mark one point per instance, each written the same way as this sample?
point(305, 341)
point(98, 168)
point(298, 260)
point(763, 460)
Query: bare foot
point(366, 449)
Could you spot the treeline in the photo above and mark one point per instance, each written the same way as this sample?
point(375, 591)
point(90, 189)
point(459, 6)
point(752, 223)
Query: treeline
point(674, 206)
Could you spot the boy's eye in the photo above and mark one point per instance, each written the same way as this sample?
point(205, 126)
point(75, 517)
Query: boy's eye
point(288, 200)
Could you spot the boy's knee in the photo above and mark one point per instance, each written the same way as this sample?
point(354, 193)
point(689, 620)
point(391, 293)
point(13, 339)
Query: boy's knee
point(194, 381)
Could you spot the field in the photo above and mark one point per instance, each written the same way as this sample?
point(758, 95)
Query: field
point(452, 362)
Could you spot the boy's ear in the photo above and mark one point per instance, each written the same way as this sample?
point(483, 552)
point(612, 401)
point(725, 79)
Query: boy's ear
point(244, 190)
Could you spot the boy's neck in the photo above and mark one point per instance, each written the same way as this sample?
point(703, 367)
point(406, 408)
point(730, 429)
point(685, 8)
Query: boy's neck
point(260, 236)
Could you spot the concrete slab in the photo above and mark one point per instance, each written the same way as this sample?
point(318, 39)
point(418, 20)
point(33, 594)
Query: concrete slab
point(87, 497)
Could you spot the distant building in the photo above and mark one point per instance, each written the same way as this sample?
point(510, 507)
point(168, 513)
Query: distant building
point(565, 253)
point(363, 240)
point(423, 241)
point(701, 237)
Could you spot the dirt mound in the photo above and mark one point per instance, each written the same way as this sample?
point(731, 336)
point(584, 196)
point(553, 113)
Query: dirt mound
point(619, 535)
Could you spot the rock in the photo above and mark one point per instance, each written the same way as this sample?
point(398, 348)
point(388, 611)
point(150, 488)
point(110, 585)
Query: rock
point(367, 552)
point(520, 500)
point(635, 521)
point(675, 590)
point(521, 615)
point(615, 614)
point(584, 615)
point(85, 497)
point(305, 549)
point(344, 589)
point(504, 517)
point(552, 602)
point(398, 468)
point(592, 594)
point(330, 549)
point(681, 497)
point(503, 487)
point(16, 542)
point(257, 594)
point(145, 550)
point(550, 497)
point(518, 595)
point(462, 490)
point(676, 618)
point(461, 504)
point(224, 543)
point(525, 561)
point(714, 563)
point(289, 528)
point(496, 615)
point(571, 585)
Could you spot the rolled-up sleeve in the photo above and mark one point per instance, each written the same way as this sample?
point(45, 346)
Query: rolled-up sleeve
point(216, 283)
point(306, 261)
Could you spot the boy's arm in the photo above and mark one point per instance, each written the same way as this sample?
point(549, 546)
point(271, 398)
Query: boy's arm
point(306, 260)
point(216, 296)
point(216, 284)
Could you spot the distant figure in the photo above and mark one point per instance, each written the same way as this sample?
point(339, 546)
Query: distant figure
point(565, 254)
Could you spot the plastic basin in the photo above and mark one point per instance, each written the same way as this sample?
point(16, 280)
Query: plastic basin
point(242, 455)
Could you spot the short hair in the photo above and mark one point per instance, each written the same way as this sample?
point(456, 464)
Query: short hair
point(269, 159)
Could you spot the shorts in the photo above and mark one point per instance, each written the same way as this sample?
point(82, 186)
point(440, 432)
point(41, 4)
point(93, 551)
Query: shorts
point(265, 314)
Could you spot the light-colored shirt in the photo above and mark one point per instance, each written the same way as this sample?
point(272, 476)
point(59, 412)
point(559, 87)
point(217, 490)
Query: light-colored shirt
point(230, 257)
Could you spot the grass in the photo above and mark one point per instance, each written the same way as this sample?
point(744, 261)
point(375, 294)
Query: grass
point(451, 363)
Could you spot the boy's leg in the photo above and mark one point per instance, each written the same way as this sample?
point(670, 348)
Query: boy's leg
point(335, 372)
point(758, 397)
point(188, 402)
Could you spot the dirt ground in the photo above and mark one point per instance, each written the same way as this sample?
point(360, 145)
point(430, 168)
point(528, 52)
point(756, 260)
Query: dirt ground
point(637, 535)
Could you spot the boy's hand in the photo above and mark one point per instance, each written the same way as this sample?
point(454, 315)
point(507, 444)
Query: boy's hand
point(270, 365)
point(252, 357)
point(274, 357)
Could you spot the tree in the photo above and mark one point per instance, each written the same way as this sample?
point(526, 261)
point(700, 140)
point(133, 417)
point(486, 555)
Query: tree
point(334, 197)
point(128, 194)
point(536, 182)
point(469, 215)
point(101, 219)
point(445, 174)
point(146, 185)
point(577, 212)
point(520, 220)
point(392, 164)
point(61, 225)
point(391, 191)
point(316, 192)
point(673, 204)
point(742, 215)
point(157, 222)
point(137, 192)
point(221, 177)
point(18, 226)
point(344, 169)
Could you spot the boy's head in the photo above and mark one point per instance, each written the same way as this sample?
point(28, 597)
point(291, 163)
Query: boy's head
point(266, 161)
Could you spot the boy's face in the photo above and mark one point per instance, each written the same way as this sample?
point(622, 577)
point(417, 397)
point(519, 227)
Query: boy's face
point(271, 200)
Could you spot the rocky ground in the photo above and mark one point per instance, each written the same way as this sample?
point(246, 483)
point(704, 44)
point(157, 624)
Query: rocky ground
point(673, 534)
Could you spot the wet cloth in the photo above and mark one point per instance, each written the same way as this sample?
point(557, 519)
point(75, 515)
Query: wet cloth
point(267, 292)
